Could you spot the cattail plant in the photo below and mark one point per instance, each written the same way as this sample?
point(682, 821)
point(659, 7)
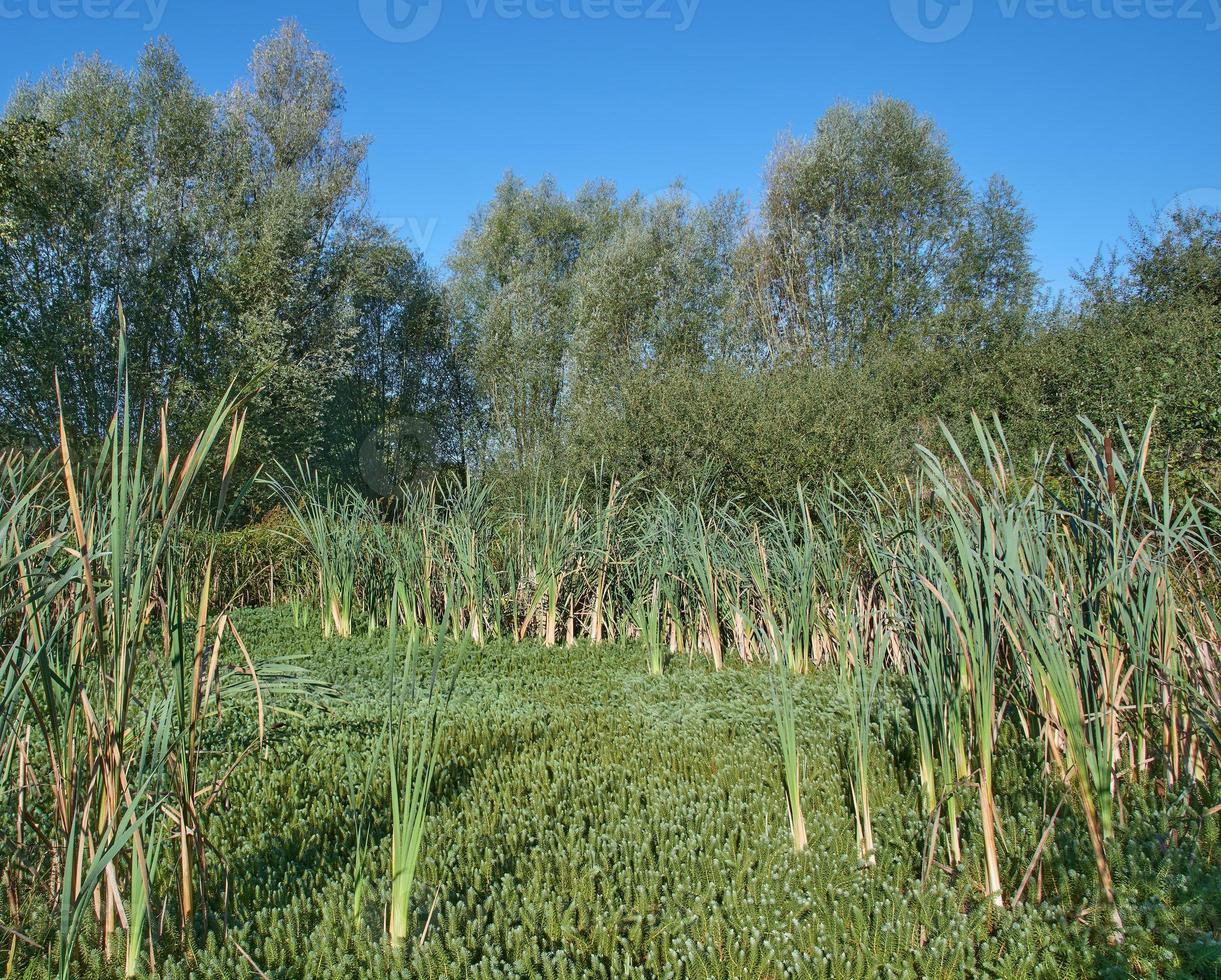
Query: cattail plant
point(413, 741)
point(466, 532)
point(860, 671)
point(1075, 683)
point(652, 580)
point(1087, 595)
point(700, 539)
point(329, 521)
point(552, 539)
point(88, 568)
point(785, 713)
point(968, 582)
point(114, 656)
point(774, 620)
point(925, 636)
point(646, 613)
point(601, 564)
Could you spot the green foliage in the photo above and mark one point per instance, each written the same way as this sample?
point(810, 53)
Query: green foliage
point(231, 226)
point(254, 565)
point(590, 820)
point(595, 334)
point(557, 300)
point(871, 236)
point(651, 382)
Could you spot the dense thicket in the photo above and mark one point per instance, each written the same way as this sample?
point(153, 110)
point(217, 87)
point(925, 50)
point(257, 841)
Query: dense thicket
point(875, 292)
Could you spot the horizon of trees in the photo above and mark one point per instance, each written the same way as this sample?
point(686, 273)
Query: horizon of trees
point(875, 292)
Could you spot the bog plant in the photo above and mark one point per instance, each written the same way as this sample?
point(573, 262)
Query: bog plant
point(115, 667)
point(861, 661)
point(987, 615)
point(785, 713)
point(573, 792)
point(1045, 596)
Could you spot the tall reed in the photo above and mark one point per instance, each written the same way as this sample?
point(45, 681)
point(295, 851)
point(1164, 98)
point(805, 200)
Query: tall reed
point(413, 740)
point(861, 663)
point(91, 550)
point(115, 661)
point(1006, 595)
point(329, 520)
point(967, 562)
point(785, 713)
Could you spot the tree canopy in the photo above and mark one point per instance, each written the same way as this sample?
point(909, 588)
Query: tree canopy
point(875, 291)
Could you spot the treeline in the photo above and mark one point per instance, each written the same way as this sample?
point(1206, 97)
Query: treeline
point(874, 292)
point(235, 230)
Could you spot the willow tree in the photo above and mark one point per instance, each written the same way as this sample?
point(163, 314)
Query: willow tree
point(232, 227)
point(869, 235)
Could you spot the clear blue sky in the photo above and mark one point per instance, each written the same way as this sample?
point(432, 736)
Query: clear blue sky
point(1095, 109)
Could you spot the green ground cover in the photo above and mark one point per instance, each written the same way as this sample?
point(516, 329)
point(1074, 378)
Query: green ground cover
point(589, 819)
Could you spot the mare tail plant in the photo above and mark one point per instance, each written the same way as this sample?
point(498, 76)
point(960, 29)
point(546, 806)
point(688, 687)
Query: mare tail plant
point(360, 857)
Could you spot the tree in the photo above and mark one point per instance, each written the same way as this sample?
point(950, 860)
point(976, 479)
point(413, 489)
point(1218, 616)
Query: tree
point(559, 301)
point(1147, 335)
point(402, 376)
point(233, 228)
point(286, 285)
point(101, 210)
point(1174, 261)
point(869, 235)
point(512, 295)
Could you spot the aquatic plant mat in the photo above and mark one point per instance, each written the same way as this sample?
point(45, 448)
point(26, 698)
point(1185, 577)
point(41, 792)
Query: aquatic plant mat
point(589, 819)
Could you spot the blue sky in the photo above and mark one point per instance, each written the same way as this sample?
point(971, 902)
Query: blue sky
point(1095, 109)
